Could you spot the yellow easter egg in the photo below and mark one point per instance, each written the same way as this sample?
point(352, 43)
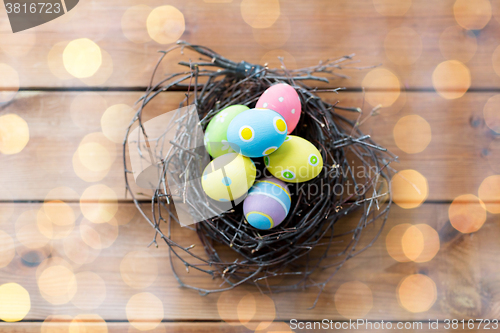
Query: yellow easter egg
point(228, 177)
point(296, 161)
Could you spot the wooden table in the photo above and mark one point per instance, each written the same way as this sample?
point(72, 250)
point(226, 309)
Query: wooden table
point(99, 276)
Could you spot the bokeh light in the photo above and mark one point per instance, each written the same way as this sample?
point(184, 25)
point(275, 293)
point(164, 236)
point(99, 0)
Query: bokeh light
point(226, 307)
point(353, 299)
point(144, 311)
point(94, 157)
point(276, 35)
point(495, 58)
point(86, 110)
point(412, 134)
point(14, 133)
point(394, 244)
point(57, 284)
point(457, 43)
point(410, 188)
point(431, 243)
point(403, 46)
point(133, 267)
point(56, 219)
point(15, 302)
point(56, 324)
point(88, 323)
point(451, 79)
point(115, 121)
point(417, 293)
point(165, 24)
point(271, 58)
point(491, 113)
point(99, 235)
point(406, 242)
point(382, 87)
point(82, 58)
point(77, 250)
point(467, 213)
point(133, 24)
point(489, 193)
point(61, 192)
point(99, 203)
point(7, 249)
point(90, 291)
point(9, 83)
point(256, 305)
point(260, 14)
point(392, 7)
point(55, 61)
point(472, 14)
point(27, 231)
point(18, 44)
point(412, 243)
point(104, 72)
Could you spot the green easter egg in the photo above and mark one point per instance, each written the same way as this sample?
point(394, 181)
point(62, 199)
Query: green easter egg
point(216, 132)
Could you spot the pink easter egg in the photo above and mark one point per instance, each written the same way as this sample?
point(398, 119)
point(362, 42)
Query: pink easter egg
point(283, 99)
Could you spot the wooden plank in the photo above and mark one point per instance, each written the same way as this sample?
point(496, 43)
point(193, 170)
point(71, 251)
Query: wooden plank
point(465, 272)
point(459, 156)
point(317, 30)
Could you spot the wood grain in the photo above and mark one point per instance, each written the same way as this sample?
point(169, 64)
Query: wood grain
point(456, 161)
point(467, 268)
point(318, 30)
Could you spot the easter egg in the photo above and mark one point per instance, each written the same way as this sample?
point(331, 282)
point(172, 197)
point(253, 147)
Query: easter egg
point(283, 99)
point(228, 177)
point(296, 161)
point(267, 204)
point(216, 132)
point(257, 132)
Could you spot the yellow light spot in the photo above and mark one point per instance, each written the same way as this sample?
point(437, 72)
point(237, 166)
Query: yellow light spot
point(115, 121)
point(56, 324)
point(57, 284)
point(392, 7)
point(56, 63)
point(493, 155)
point(272, 60)
point(99, 203)
point(256, 305)
point(403, 46)
point(56, 219)
point(18, 44)
point(99, 236)
point(82, 58)
point(382, 87)
point(412, 243)
point(431, 243)
point(467, 213)
point(260, 14)
point(134, 24)
point(77, 251)
point(457, 43)
point(49, 262)
point(353, 299)
point(165, 24)
point(451, 79)
point(88, 323)
point(417, 293)
point(280, 124)
point(246, 133)
point(15, 302)
point(472, 14)
point(94, 157)
point(394, 244)
point(9, 83)
point(14, 133)
point(61, 192)
point(86, 110)
point(7, 249)
point(410, 188)
point(90, 291)
point(144, 311)
point(276, 35)
point(412, 134)
point(139, 269)
point(491, 112)
point(226, 307)
point(104, 72)
point(27, 231)
point(489, 193)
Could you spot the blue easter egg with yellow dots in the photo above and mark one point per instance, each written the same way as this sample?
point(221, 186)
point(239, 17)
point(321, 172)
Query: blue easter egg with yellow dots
point(257, 132)
point(228, 177)
point(267, 204)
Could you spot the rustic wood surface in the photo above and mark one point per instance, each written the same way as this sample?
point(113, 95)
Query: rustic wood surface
point(462, 152)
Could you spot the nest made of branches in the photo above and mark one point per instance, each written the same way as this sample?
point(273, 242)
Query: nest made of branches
point(308, 240)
